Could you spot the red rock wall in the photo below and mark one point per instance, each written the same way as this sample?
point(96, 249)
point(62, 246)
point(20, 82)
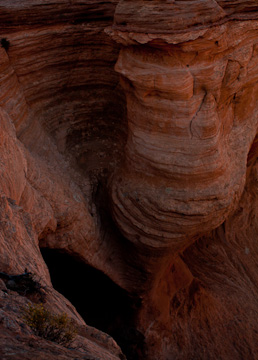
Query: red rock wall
point(189, 106)
point(190, 78)
point(182, 191)
point(58, 90)
point(61, 92)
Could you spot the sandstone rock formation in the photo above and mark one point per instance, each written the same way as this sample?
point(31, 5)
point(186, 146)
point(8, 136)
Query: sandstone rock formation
point(165, 206)
point(18, 342)
point(191, 89)
point(56, 73)
point(187, 112)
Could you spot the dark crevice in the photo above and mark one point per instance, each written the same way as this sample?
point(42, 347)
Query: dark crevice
point(5, 44)
point(101, 303)
point(253, 152)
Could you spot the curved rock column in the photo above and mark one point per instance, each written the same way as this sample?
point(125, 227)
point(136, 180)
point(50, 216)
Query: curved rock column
point(191, 107)
point(191, 83)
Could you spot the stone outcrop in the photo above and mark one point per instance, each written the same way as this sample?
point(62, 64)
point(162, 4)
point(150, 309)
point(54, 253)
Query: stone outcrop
point(18, 341)
point(59, 92)
point(161, 17)
point(151, 180)
point(187, 112)
point(191, 90)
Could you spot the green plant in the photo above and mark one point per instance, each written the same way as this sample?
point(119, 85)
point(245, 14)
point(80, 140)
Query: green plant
point(57, 328)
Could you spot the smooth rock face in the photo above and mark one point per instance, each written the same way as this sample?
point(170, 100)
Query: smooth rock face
point(190, 106)
point(170, 153)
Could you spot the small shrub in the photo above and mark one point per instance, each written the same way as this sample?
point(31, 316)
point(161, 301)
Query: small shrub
point(56, 328)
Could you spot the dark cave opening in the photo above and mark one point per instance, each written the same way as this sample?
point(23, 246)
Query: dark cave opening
point(101, 303)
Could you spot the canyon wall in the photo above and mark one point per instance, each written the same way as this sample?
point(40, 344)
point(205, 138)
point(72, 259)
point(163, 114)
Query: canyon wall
point(61, 93)
point(61, 129)
point(189, 72)
point(150, 179)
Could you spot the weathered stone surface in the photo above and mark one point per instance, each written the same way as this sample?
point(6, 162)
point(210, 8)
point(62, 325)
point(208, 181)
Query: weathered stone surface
point(182, 191)
point(190, 106)
point(159, 16)
point(191, 90)
point(18, 341)
point(205, 304)
point(58, 90)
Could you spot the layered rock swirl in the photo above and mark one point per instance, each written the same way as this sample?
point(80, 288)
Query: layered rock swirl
point(59, 102)
point(143, 16)
point(189, 72)
point(192, 117)
point(60, 91)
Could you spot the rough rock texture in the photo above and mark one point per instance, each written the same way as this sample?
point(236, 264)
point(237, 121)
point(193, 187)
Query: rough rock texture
point(189, 107)
point(205, 304)
point(58, 91)
point(18, 342)
point(191, 89)
point(182, 189)
point(168, 16)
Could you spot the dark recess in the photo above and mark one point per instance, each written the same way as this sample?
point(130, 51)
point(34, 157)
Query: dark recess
point(102, 303)
point(5, 44)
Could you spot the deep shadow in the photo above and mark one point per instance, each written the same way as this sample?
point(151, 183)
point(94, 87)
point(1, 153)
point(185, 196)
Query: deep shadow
point(102, 303)
point(5, 44)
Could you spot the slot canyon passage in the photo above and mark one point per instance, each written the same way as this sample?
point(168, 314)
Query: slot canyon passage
point(129, 177)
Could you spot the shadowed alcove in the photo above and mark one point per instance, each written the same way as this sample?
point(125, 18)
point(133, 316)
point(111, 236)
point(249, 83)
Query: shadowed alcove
point(101, 303)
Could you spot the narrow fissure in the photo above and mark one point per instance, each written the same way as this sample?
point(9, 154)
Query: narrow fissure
point(101, 303)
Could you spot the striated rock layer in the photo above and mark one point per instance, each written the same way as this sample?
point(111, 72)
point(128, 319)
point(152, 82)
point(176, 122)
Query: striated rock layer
point(167, 16)
point(59, 89)
point(190, 106)
point(60, 99)
point(191, 90)
point(180, 181)
point(205, 304)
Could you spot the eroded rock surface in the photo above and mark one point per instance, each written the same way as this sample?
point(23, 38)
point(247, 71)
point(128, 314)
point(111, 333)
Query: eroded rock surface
point(191, 90)
point(187, 113)
point(18, 341)
point(158, 16)
point(182, 189)
point(58, 92)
